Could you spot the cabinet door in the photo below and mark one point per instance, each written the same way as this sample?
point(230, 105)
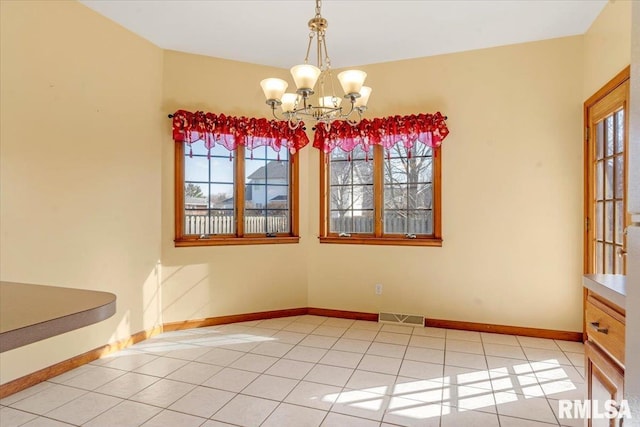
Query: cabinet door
point(605, 381)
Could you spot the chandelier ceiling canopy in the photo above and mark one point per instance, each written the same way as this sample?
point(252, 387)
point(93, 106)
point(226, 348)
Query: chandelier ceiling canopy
point(310, 80)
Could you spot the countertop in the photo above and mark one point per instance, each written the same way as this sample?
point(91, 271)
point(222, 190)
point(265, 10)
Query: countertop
point(29, 313)
point(609, 286)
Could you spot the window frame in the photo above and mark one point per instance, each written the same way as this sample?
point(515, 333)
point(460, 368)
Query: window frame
point(378, 237)
point(239, 238)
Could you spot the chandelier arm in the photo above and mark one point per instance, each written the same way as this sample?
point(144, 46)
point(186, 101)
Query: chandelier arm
point(273, 111)
point(326, 51)
point(350, 110)
point(306, 57)
point(319, 53)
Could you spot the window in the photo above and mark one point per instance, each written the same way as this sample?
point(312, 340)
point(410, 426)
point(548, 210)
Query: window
point(381, 196)
point(234, 197)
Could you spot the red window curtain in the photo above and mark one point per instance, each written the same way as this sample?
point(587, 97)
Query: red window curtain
point(429, 129)
point(232, 131)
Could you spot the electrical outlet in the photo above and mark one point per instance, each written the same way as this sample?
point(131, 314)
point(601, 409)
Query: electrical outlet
point(378, 289)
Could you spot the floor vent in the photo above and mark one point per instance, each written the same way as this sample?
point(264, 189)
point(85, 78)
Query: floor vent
point(401, 319)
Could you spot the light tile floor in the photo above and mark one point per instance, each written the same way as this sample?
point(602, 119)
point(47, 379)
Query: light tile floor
point(313, 371)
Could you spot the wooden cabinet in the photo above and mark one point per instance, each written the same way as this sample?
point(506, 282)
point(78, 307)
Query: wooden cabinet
point(604, 352)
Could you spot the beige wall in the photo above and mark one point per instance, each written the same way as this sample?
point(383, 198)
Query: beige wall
point(511, 193)
point(80, 168)
point(214, 281)
point(607, 46)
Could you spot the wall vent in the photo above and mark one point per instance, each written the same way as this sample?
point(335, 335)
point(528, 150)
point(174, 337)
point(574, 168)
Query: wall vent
point(401, 319)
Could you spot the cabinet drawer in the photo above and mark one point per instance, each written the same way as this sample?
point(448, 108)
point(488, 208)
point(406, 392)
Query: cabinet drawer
point(605, 328)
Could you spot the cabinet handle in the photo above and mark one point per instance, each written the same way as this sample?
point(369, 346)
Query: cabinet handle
point(596, 326)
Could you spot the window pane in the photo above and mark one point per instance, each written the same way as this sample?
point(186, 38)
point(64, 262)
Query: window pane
point(396, 170)
point(221, 221)
point(196, 222)
point(599, 140)
point(619, 184)
point(362, 221)
point(341, 198)
point(598, 222)
point(608, 259)
point(363, 197)
point(608, 222)
point(419, 196)
point(351, 199)
point(196, 168)
point(277, 221)
point(408, 222)
point(340, 173)
point(255, 196)
point(421, 169)
point(255, 170)
point(277, 197)
point(267, 191)
point(599, 258)
point(259, 221)
point(195, 196)
point(222, 196)
point(362, 172)
point(609, 135)
point(599, 179)
point(620, 131)
point(395, 196)
point(620, 222)
point(222, 170)
point(420, 222)
point(351, 221)
point(406, 204)
point(608, 179)
point(255, 221)
point(395, 222)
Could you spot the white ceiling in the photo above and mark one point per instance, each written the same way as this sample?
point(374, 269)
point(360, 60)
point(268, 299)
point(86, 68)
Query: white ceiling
point(274, 32)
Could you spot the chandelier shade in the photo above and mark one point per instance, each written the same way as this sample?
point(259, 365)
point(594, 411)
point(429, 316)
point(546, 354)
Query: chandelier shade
point(305, 76)
point(352, 81)
point(365, 91)
point(318, 79)
point(274, 88)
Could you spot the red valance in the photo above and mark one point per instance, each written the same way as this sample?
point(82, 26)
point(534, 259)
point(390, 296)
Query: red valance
point(429, 129)
point(232, 131)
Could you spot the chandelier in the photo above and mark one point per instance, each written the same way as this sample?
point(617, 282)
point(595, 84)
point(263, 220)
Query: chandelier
point(309, 79)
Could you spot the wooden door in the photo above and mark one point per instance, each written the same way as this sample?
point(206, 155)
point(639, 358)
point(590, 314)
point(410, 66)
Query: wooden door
point(606, 142)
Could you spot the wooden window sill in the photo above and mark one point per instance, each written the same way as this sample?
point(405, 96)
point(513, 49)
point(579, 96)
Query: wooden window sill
point(227, 241)
point(389, 241)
